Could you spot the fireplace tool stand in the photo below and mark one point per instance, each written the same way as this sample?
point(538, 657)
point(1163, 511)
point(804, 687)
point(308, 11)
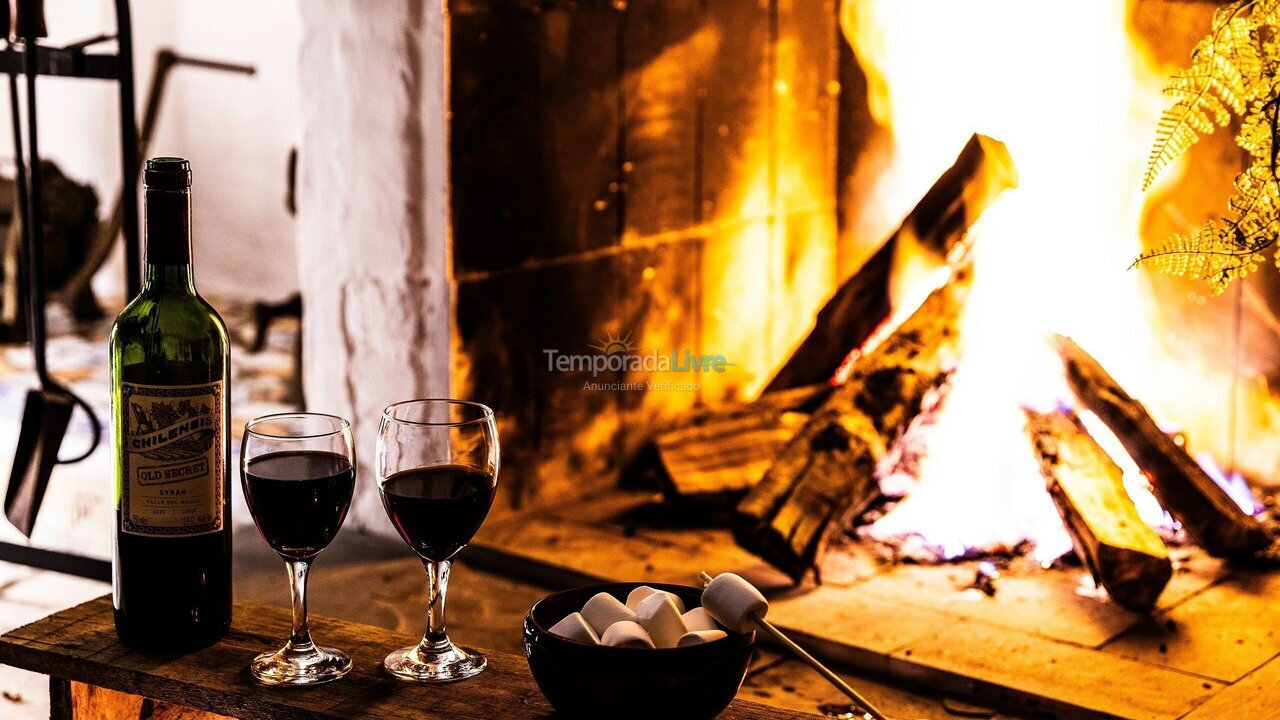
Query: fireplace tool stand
point(48, 409)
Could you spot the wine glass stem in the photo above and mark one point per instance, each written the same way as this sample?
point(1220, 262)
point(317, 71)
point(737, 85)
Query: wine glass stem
point(436, 639)
point(301, 638)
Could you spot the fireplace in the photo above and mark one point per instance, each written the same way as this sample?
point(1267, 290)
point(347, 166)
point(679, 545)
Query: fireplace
point(619, 174)
point(813, 201)
point(680, 201)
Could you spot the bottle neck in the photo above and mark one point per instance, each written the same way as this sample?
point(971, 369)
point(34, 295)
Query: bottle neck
point(168, 278)
point(168, 241)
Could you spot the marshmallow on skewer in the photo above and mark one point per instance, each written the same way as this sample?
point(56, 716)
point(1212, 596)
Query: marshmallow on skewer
point(635, 597)
point(576, 627)
point(628, 634)
point(603, 610)
point(734, 602)
point(738, 604)
point(701, 637)
point(699, 619)
point(660, 617)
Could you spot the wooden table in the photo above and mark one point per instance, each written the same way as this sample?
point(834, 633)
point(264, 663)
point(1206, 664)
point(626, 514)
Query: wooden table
point(94, 676)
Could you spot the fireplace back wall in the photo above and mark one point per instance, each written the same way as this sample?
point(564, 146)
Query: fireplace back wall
point(660, 172)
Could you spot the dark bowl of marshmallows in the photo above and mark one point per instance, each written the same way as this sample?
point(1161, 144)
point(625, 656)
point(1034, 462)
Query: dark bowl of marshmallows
point(634, 649)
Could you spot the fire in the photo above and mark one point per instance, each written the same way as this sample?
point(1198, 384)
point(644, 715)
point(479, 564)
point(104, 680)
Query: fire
point(1076, 104)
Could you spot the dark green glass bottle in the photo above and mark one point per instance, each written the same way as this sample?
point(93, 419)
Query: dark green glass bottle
point(170, 420)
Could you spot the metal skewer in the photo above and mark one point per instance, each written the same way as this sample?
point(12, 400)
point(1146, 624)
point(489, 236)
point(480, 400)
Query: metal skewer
point(869, 711)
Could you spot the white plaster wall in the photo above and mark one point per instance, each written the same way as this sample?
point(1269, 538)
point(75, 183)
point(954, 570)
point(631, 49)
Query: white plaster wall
point(236, 130)
point(372, 215)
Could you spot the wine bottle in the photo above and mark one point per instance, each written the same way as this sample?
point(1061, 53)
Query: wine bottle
point(171, 588)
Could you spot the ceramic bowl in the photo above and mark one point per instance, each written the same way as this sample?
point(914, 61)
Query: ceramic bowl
point(583, 680)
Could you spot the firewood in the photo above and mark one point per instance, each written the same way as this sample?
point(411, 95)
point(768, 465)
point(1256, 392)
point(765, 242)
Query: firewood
point(981, 172)
point(721, 453)
point(826, 473)
point(1212, 519)
point(1123, 553)
point(722, 460)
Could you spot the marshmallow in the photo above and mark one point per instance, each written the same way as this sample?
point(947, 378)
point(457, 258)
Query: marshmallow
point(734, 602)
point(699, 619)
point(701, 637)
point(660, 617)
point(603, 610)
point(576, 627)
point(639, 594)
point(626, 633)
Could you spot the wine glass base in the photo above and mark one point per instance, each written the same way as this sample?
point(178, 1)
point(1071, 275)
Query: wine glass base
point(418, 665)
point(292, 667)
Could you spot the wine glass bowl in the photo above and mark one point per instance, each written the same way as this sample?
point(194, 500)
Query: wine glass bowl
point(437, 466)
point(298, 471)
point(438, 511)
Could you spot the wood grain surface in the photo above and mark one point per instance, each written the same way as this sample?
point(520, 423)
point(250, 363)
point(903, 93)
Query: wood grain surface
point(80, 644)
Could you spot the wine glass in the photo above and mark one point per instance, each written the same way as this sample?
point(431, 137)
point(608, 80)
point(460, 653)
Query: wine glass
point(437, 463)
point(299, 474)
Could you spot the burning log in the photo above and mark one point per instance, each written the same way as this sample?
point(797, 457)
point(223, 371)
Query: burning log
point(827, 471)
point(981, 172)
point(720, 454)
point(1124, 555)
point(1210, 516)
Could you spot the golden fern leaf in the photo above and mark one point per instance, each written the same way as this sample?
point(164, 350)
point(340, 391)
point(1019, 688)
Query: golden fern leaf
point(1264, 12)
point(1211, 253)
point(1240, 42)
point(1204, 102)
point(1269, 50)
point(1224, 14)
point(1174, 136)
point(1234, 71)
point(1211, 93)
point(1255, 132)
point(1210, 90)
point(1221, 250)
point(1256, 204)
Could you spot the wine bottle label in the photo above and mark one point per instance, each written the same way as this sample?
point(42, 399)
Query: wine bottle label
point(172, 459)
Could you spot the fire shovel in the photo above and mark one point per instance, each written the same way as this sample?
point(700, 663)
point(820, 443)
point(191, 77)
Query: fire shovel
point(44, 423)
point(48, 410)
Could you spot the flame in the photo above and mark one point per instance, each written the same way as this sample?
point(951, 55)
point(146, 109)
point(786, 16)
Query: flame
point(1076, 105)
point(1232, 483)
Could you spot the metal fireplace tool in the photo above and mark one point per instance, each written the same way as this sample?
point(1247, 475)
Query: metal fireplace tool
point(48, 409)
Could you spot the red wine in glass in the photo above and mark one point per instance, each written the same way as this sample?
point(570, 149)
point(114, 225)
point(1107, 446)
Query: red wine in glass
point(299, 499)
point(438, 509)
point(437, 463)
point(298, 472)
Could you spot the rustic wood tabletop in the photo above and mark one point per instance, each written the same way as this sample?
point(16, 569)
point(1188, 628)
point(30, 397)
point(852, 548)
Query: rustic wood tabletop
point(80, 645)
